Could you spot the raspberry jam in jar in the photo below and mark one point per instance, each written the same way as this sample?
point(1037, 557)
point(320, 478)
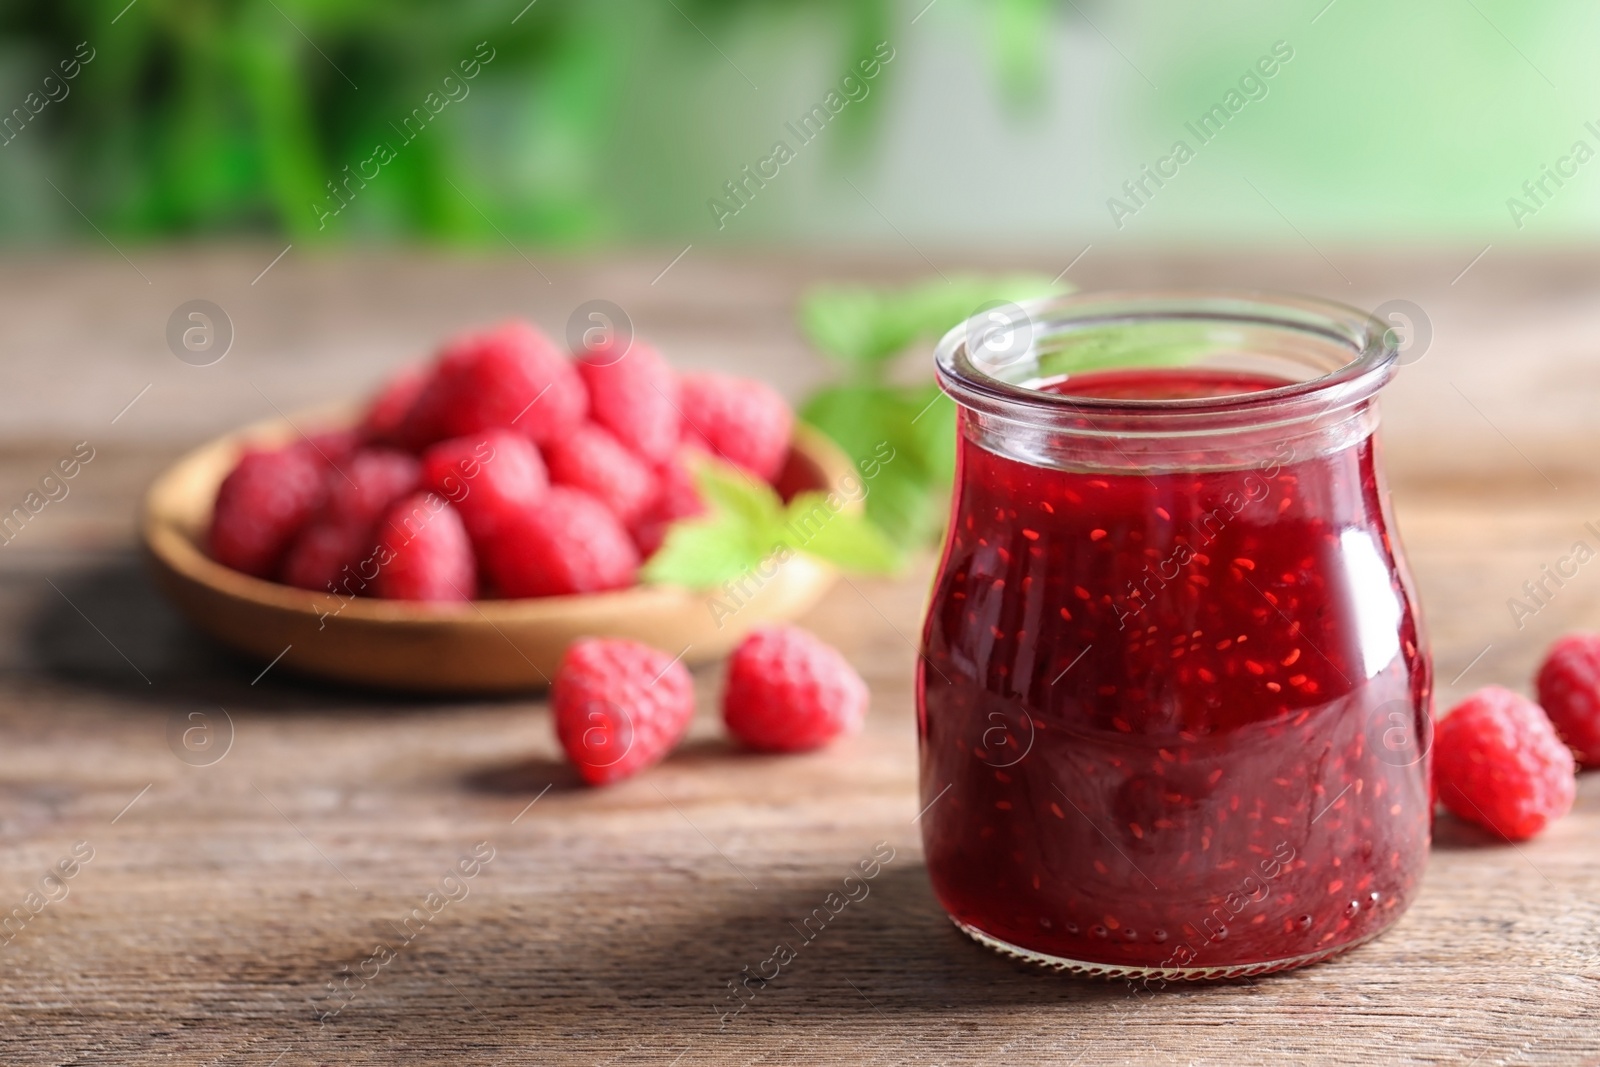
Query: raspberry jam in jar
point(1174, 705)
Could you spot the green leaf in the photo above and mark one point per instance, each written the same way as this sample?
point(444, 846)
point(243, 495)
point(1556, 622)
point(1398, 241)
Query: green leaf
point(747, 523)
point(902, 439)
point(706, 552)
point(869, 417)
point(934, 433)
point(844, 323)
point(909, 510)
point(726, 488)
point(862, 326)
point(844, 539)
point(859, 417)
point(744, 525)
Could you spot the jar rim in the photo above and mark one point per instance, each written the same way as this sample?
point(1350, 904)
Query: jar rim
point(1370, 343)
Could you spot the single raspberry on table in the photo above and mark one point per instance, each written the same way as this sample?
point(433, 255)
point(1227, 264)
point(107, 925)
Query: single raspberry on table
point(619, 706)
point(340, 535)
point(386, 414)
point(1569, 692)
point(570, 543)
point(787, 691)
point(1498, 763)
point(261, 505)
point(677, 497)
point(511, 377)
point(740, 420)
point(425, 553)
point(592, 459)
point(635, 396)
point(488, 478)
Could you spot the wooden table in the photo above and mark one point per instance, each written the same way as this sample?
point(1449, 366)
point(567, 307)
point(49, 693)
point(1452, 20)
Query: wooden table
point(221, 901)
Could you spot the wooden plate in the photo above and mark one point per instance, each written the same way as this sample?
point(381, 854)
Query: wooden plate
point(487, 646)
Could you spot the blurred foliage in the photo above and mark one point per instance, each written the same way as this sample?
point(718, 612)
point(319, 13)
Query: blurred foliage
point(615, 119)
point(206, 116)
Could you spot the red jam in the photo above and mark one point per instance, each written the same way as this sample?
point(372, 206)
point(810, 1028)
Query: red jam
point(1159, 711)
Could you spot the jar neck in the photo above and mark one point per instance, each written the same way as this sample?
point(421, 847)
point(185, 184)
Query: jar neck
point(1014, 370)
point(1072, 446)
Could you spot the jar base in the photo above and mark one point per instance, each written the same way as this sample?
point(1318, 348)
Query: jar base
point(1174, 974)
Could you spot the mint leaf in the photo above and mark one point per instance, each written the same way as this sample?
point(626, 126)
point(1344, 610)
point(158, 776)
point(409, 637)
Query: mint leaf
point(727, 488)
point(858, 417)
point(861, 326)
point(902, 440)
point(747, 523)
point(742, 528)
point(908, 510)
point(705, 552)
point(933, 433)
point(842, 538)
point(864, 329)
point(846, 323)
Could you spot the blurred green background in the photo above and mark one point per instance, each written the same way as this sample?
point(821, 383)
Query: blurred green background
point(610, 121)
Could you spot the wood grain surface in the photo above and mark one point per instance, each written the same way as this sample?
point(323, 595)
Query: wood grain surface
point(219, 902)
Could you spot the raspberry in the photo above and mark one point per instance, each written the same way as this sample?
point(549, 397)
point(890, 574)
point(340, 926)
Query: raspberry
point(487, 477)
point(1569, 692)
point(320, 554)
point(737, 419)
point(387, 412)
point(570, 543)
point(425, 554)
point(636, 398)
point(591, 459)
point(341, 534)
point(788, 691)
point(330, 446)
point(372, 480)
point(1499, 763)
point(261, 505)
point(619, 707)
point(509, 377)
point(677, 497)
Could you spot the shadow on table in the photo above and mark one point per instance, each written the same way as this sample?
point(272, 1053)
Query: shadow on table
point(893, 952)
point(886, 967)
point(524, 778)
point(527, 777)
point(1451, 834)
point(108, 628)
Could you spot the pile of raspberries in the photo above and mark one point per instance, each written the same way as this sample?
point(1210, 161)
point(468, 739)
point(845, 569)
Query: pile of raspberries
point(504, 468)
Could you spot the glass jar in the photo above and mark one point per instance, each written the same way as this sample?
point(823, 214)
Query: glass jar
point(1174, 706)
